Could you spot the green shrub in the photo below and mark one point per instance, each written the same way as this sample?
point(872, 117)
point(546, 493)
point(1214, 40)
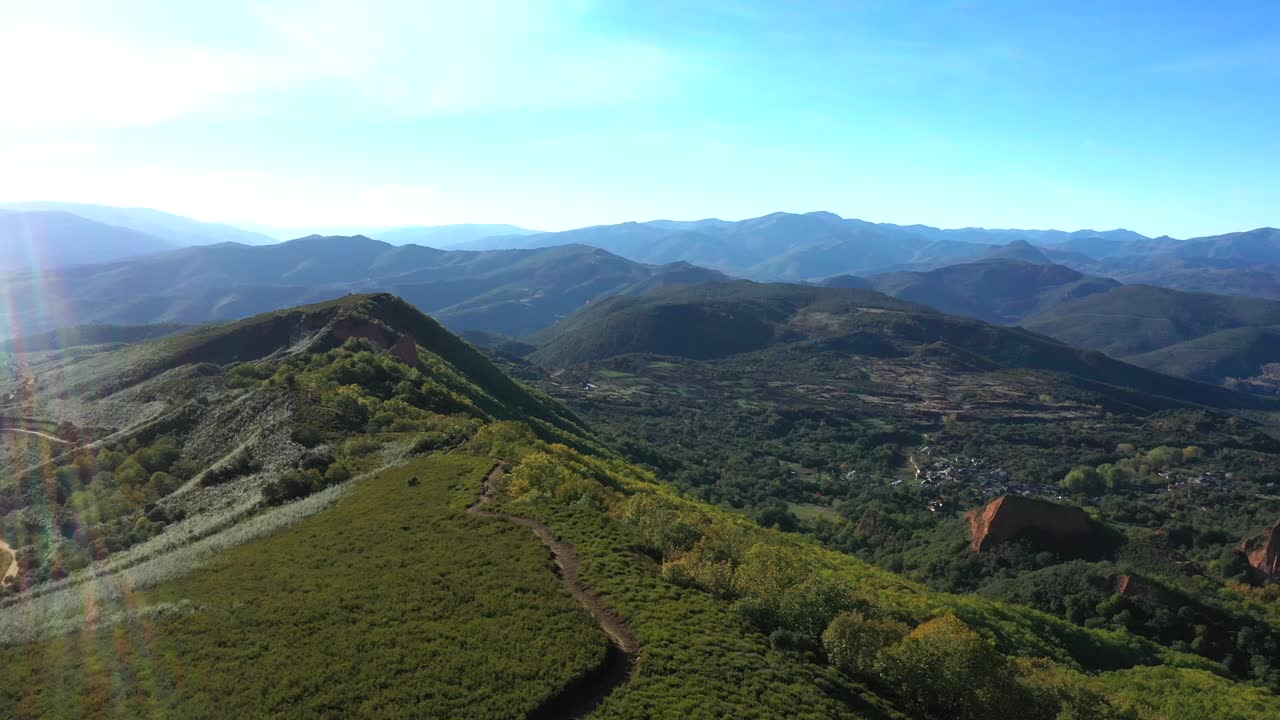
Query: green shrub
point(853, 642)
point(1084, 481)
point(307, 436)
point(238, 464)
point(361, 445)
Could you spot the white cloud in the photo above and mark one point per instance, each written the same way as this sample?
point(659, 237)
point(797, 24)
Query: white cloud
point(136, 63)
point(60, 77)
point(19, 154)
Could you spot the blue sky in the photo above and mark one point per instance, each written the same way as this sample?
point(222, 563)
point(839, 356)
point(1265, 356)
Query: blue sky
point(1160, 116)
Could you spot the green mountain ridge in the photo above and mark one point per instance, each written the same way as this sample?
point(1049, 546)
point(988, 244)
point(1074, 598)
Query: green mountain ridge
point(1197, 335)
point(1001, 291)
point(725, 319)
point(509, 292)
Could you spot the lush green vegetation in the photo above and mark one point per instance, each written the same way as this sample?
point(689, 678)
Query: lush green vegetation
point(717, 320)
point(998, 290)
point(1135, 319)
point(846, 439)
point(394, 603)
point(806, 610)
point(98, 503)
point(861, 471)
point(1213, 338)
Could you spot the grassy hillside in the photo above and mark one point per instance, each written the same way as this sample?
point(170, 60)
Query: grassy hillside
point(185, 430)
point(358, 611)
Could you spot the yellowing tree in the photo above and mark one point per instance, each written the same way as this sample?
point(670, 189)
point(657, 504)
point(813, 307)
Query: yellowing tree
point(944, 669)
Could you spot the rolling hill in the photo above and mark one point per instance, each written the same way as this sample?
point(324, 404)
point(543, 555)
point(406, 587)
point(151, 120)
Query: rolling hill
point(1134, 319)
point(1198, 335)
point(1237, 354)
point(508, 292)
point(1002, 291)
point(720, 320)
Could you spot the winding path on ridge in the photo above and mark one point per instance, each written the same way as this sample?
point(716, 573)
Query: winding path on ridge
point(582, 696)
point(11, 569)
point(37, 433)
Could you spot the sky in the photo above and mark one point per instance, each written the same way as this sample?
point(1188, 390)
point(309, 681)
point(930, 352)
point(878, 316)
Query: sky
point(1156, 115)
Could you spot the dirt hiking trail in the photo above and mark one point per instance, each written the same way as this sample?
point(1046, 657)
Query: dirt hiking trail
point(584, 695)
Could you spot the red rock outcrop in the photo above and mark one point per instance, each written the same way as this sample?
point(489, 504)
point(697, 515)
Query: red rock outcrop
point(405, 348)
point(349, 327)
point(1012, 516)
point(1135, 587)
point(1263, 552)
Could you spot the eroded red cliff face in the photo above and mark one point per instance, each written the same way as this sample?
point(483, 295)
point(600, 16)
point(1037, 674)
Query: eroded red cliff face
point(1012, 516)
point(404, 348)
point(1136, 587)
point(1263, 552)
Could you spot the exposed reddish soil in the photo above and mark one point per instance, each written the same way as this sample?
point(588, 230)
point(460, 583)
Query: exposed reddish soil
point(1013, 516)
point(1263, 552)
point(404, 348)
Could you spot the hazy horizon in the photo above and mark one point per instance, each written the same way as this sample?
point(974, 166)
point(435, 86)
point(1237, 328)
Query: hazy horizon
point(291, 233)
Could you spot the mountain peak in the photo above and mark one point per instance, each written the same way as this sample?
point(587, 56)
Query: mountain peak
point(335, 240)
point(1020, 250)
point(823, 214)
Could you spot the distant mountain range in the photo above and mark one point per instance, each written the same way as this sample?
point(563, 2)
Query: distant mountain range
point(776, 247)
point(511, 292)
point(448, 236)
point(175, 230)
point(131, 266)
point(1208, 337)
point(816, 245)
point(39, 236)
point(45, 239)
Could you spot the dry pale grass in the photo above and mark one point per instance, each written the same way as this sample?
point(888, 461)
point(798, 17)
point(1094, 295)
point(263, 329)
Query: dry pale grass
point(100, 593)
